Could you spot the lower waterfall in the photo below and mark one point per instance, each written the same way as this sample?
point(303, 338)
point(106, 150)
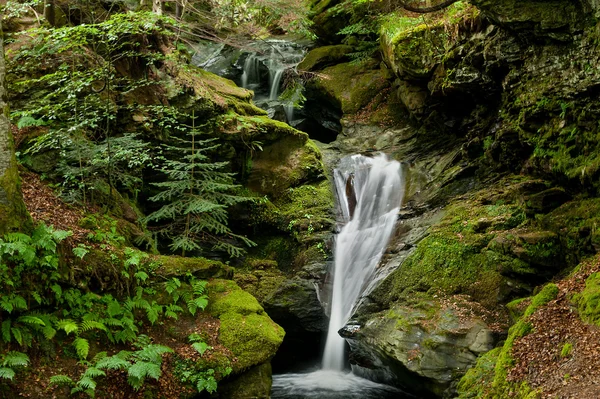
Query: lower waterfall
point(369, 192)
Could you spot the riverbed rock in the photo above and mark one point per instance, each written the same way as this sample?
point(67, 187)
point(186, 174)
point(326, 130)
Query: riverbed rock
point(435, 341)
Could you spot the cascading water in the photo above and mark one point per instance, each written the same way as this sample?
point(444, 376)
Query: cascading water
point(369, 192)
point(264, 69)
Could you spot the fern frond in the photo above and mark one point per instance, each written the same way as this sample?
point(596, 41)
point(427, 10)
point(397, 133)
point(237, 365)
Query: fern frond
point(32, 320)
point(15, 359)
point(113, 363)
point(7, 373)
point(6, 336)
point(61, 379)
point(93, 372)
point(86, 383)
point(68, 325)
point(17, 334)
point(88, 325)
point(48, 332)
point(201, 347)
point(153, 353)
point(82, 347)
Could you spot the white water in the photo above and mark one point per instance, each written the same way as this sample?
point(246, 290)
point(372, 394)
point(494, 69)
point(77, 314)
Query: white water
point(377, 186)
point(369, 192)
point(275, 82)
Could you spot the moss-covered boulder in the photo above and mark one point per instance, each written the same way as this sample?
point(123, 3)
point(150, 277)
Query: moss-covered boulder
point(434, 341)
point(324, 56)
point(245, 328)
point(351, 86)
point(202, 268)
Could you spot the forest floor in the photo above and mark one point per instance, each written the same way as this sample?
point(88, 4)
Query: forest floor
point(543, 357)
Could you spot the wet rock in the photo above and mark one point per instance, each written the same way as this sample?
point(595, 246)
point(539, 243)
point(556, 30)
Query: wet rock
point(324, 56)
point(421, 350)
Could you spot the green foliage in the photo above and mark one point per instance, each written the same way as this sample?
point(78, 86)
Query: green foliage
point(80, 95)
point(195, 198)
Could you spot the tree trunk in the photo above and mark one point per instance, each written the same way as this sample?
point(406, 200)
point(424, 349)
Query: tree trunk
point(178, 9)
point(13, 214)
point(50, 12)
point(157, 7)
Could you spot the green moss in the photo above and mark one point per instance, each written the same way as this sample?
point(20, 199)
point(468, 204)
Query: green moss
point(352, 86)
point(323, 56)
point(566, 349)
point(245, 329)
point(488, 379)
point(519, 329)
point(517, 307)
point(588, 300)
point(13, 214)
point(171, 266)
point(476, 381)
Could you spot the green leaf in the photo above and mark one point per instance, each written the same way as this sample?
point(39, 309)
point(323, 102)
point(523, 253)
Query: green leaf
point(82, 347)
point(68, 325)
point(61, 379)
point(31, 320)
point(207, 383)
point(201, 347)
point(15, 359)
point(7, 373)
point(80, 252)
point(6, 324)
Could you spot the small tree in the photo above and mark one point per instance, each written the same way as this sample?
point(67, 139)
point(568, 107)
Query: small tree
point(196, 197)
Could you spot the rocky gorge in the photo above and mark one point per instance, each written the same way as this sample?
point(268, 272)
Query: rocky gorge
point(491, 109)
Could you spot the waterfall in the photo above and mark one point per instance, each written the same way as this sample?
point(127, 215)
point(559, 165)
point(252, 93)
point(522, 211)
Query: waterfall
point(250, 72)
point(369, 193)
point(275, 82)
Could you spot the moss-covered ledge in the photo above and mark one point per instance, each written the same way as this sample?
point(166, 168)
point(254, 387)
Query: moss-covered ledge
point(245, 329)
point(202, 268)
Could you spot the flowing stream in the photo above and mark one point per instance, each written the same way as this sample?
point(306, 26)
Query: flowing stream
point(369, 192)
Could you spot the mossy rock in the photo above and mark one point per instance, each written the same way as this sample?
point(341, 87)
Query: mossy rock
point(245, 329)
point(413, 53)
point(324, 56)
point(286, 163)
point(351, 86)
point(254, 383)
point(202, 268)
point(588, 300)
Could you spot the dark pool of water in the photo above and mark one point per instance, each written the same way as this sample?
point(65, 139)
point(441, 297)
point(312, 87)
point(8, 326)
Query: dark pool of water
point(328, 384)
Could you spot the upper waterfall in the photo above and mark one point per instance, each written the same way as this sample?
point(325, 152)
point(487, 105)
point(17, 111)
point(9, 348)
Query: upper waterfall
point(369, 192)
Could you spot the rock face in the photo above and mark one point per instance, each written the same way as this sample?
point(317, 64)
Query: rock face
point(435, 343)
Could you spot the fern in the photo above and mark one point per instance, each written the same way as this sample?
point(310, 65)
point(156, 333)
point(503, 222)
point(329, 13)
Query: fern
point(68, 325)
point(31, 320)
point(93, 372)
point(152, 353)
point(138, 372)
point(61, 379)
point(6, 336)
point(82, 347)
point(88, 325)
point(15, 359)
point(113, 363)
point(7, 373)
point(201, 347)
